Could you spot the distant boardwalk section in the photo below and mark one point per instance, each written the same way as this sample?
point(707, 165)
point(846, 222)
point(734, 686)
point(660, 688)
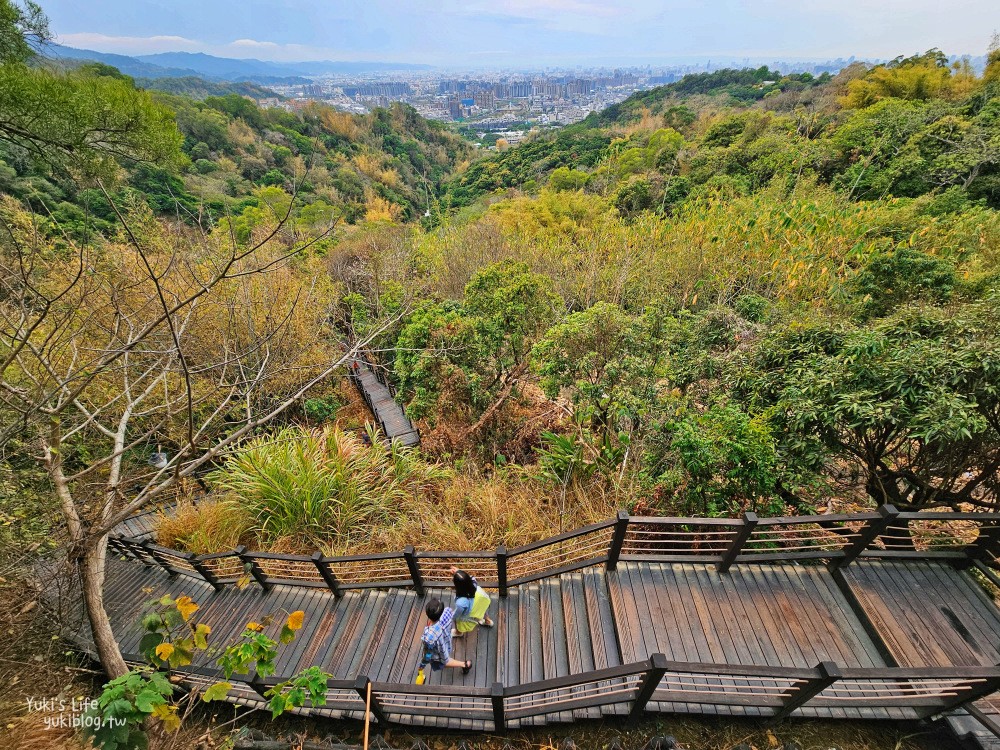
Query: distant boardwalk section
point(381, 400)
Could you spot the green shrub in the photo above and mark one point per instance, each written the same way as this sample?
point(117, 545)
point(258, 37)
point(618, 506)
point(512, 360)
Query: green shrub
point(322, 409)
point(323, 486)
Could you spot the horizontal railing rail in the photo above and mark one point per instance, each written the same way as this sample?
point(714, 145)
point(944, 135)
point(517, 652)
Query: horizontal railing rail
point(779, 691)
point(972, 538)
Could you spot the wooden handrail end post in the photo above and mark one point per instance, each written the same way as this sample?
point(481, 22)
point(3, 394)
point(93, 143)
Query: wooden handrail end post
point(499, 718)
point(750, 521)
point(502, 569)
point(617, 540)
point(647, 686)
point(258, 685)
point(361, 685)
point(410, 555)
point(868, 534)
point(250, 564)
point(829, 673)
point(328, 576)
point(147, 547)
point(203, 571)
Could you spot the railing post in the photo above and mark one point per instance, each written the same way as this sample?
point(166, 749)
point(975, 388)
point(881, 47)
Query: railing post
point(968, 692)
point(124, 547)
point(118, 547)
point(411, 562)
point(750, 521)
point(258, 685)
point(987, 544)
point(203, 570)
point(361, 688)
point(496, 698)
point(869, 533)
point(328, 577)
point(146, 546)
point(617, 540)
point(829, 673)
point(650, 681)
point(502, 569)
point(250, 564)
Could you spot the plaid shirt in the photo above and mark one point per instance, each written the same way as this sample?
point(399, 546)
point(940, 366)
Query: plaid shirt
point(437, 638)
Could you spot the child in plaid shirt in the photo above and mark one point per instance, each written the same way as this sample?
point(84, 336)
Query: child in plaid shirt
point(437, 638)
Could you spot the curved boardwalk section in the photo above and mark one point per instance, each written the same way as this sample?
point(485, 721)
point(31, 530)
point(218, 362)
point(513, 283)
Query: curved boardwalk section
point(832, 616)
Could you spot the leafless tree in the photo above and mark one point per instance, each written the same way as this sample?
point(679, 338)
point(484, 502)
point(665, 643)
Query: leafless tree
point(174, 335)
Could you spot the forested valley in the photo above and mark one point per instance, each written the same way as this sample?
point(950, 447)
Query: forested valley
point(741, 292)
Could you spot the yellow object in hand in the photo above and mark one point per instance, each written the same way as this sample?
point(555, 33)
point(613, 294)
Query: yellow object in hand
point(421, 676)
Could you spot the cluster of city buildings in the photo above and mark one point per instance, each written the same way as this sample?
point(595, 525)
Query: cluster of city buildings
point(485, 102)
point(501, 102)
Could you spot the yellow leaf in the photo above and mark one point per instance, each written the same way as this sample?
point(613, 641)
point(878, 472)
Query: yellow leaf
point(164, 651)
point(200, 636)
point(186, 607)
point(255, 626)
point(168, 715)
point(295, 620)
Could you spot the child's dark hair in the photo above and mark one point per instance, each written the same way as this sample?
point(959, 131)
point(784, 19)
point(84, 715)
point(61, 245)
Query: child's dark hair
point(464, 585)
point(434, 609)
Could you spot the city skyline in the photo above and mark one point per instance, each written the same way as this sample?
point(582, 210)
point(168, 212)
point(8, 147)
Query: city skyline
point(475, 33)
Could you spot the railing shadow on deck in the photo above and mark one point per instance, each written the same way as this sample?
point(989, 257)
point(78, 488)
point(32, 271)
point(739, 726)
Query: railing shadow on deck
point(968, 539)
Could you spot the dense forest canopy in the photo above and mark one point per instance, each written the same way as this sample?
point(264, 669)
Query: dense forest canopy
point(744, 291)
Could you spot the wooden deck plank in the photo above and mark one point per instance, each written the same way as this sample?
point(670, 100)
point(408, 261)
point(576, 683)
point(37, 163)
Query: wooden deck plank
point(927, 612)
point(710, 586)
point(670, 609)
point(971, 612)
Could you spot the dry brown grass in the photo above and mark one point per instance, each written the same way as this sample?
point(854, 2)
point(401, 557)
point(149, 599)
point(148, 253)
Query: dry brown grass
point(30, 732)
point(34, 664)
point(476, 512)
point(212, 526)
point(470, 511)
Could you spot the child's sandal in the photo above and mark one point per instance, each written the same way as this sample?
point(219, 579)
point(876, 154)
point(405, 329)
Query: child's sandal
point(467, 668)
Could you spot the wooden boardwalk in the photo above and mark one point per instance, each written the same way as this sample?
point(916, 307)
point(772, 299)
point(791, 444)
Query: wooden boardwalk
point(381, 400)
point(613, 620)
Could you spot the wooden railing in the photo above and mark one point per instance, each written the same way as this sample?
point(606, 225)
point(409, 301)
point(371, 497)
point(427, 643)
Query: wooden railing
point(836, 541)
point(778, 692)
point(967, 538)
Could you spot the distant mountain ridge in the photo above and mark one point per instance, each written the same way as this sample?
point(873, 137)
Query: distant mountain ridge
point(229, 68)
point(184, 64)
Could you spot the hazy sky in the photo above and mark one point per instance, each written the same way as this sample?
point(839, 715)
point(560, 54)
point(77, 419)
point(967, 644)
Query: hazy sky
point(470, 33)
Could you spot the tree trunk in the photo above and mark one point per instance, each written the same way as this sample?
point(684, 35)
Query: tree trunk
point(92, 581)
point(501, 398)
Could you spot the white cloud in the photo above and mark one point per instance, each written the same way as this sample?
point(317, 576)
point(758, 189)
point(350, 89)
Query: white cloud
point(254, 44)
point(128, 45)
